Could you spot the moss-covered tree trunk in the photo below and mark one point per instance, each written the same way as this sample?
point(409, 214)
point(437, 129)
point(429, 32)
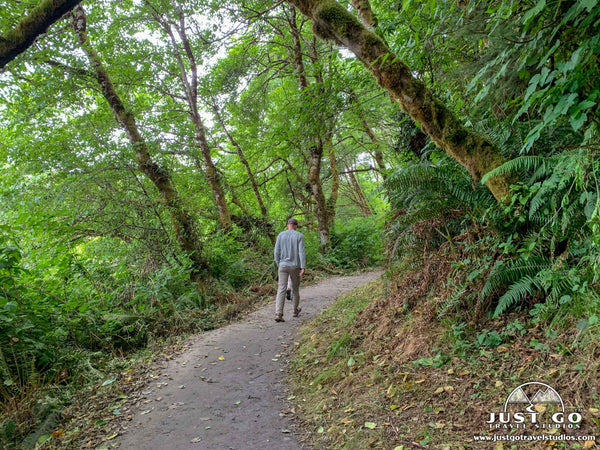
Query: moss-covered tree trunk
point(37, 22)
point(477, 154)
point(314, 178)
point(183, 222)
point(335, 182)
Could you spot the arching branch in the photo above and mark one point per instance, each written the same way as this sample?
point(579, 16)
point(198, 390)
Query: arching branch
point(16, 41)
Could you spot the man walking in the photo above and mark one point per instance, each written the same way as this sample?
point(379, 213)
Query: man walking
point(290, 257)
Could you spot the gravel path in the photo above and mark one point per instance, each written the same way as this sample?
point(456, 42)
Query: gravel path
point(226, 390)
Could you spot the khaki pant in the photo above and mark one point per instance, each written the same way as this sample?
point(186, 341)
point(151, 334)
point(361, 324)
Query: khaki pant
point(293, 274)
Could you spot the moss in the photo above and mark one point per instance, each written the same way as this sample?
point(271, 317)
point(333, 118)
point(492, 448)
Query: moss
point(332, 19)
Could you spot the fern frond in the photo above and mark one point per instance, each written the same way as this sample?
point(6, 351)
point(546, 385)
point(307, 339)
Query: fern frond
point(511, 271)
point(522, 164)
point(517, 292)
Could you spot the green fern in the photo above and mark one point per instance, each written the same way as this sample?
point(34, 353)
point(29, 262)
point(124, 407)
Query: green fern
point(521, 165)
point(517, 292)
point(511, 271)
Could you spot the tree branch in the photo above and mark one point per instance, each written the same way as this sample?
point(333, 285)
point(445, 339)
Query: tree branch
point(37, 22)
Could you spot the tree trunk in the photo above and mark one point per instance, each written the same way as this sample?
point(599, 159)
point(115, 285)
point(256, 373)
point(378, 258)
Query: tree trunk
point(314, 177)
point(316, 152)
point(478, 155)
point(37, 22)
point(377, 154)
point(191, 94)
point(335, 182)
point(363, 7)
point(182, 221)
point(361, 200)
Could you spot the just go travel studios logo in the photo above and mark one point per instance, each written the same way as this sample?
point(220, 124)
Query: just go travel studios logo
point(534, 412)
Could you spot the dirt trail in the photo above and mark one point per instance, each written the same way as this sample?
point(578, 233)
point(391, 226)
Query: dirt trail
point(225, 391)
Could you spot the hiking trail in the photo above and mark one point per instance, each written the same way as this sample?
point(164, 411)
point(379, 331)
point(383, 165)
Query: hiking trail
point(226, 389)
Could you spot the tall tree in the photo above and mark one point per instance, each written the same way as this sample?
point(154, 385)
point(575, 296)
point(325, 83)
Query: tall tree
point(176, 30)
point(478, 155)
point(183, 222)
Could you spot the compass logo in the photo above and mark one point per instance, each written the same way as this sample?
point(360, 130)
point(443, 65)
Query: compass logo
point(534, 405)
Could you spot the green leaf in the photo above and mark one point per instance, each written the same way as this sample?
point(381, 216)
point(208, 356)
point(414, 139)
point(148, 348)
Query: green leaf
point(370, 425)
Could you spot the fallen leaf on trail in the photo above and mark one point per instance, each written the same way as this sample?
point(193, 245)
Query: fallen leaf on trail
point(207, 428)
point(593, 410)
point(370, 425)
point(182, 387)
point(196, 440)
point(238, 402)
point(499, 383)
point(146, 412)
point(420, 381)
point(221, 358)
point(589, 444)
point(346, 421)
point(321, 430)
point(204, 419)
point(176, 405)
point(439, 390)
point(112, 436)
point(285, 431)
point(277, 356)
point(394, 407)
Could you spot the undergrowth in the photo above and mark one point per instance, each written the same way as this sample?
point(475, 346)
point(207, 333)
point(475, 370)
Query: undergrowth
point(375, 371)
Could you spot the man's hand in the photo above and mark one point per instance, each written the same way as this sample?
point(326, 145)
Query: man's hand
point(301, 272)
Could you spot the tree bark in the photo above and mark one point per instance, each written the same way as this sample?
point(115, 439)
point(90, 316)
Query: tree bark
point(363, 7)
point(335, 182)
point(477, 154)
point(37, 22)
point(314, 178)
point(322, 206)
point(191, 94)
point(183, 222)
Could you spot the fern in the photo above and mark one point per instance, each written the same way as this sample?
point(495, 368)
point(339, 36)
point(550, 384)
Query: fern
point(512, 271)
point(521, 165)
point(516, 293)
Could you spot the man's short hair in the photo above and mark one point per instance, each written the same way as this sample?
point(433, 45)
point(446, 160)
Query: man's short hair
point(292, 222)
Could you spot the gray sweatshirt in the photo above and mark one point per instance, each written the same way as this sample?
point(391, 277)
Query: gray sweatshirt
point(289, 249)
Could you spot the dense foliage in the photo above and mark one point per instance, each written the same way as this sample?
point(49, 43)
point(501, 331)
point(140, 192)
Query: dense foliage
point(150, 153)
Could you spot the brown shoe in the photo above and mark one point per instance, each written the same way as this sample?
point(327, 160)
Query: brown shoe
point(297, 312)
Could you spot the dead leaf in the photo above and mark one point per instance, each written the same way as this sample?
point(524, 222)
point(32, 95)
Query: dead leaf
point(196, 440)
